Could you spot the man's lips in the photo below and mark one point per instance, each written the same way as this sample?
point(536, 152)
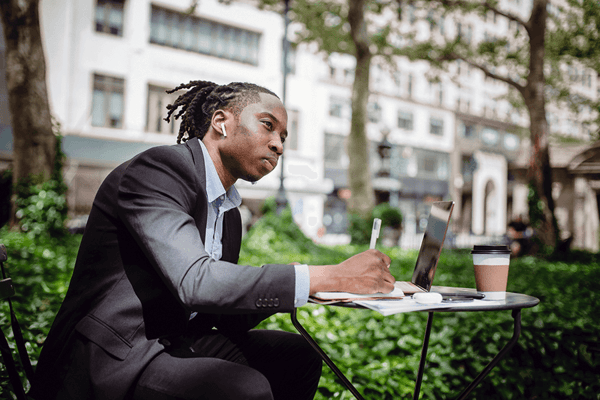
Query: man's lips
point(272, 161)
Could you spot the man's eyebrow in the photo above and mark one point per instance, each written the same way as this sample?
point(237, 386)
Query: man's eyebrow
point(268, 114)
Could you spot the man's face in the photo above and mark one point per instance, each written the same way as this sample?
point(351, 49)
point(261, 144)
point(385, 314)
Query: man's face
point(252, 150)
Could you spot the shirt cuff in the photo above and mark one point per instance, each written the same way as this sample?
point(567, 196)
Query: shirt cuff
point(302, 285)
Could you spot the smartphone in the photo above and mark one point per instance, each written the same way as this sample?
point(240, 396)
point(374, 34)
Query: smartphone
point(454, 299)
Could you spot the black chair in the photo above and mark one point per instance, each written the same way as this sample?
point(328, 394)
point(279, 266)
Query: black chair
point(6, 291)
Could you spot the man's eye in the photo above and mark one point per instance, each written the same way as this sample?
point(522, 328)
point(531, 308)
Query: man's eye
point(268, 124)
point(282, 139)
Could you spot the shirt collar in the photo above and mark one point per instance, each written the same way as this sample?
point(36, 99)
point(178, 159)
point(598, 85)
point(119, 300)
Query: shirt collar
point(214, 187)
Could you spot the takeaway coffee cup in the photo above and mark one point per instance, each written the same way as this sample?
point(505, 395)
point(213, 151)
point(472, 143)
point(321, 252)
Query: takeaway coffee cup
point(491, 270)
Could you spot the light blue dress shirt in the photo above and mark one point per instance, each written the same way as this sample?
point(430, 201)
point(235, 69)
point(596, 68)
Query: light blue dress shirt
point(221, 201)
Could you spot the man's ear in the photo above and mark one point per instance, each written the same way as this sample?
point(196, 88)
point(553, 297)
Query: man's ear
point(219, 117)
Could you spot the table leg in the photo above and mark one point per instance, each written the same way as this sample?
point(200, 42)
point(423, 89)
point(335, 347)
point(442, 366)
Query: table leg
point(423, 357)
point(516, 314)
point(324, 356)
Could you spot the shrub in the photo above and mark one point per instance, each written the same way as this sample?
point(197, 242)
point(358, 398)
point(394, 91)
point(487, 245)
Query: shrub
point(359, 227)
point(41, 206)
point(390, 216)
point(40, 267)
point(556, 357)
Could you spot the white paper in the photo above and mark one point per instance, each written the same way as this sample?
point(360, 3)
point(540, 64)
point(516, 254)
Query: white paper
point(389, 307)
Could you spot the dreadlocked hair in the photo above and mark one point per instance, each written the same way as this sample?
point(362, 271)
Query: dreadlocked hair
point(203, 98)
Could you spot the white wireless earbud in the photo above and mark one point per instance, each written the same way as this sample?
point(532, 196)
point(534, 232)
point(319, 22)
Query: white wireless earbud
point(427, 298)
point(223, 129)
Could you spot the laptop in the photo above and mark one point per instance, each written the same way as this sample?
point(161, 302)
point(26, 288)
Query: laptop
point(431, 248)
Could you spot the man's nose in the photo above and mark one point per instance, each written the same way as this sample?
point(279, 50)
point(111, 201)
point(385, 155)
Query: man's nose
point(276, 146)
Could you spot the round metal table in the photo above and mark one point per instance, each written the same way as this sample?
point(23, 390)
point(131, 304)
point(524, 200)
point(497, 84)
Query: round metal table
point(513, 301)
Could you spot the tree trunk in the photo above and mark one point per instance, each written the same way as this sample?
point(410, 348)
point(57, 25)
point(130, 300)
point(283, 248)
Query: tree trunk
point(33, 139)
point(540, 172)
point(362, 199)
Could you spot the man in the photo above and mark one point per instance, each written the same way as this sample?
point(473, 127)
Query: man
point(157, 307)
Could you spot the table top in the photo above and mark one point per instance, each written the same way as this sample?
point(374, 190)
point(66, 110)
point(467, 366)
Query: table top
point(513, 301)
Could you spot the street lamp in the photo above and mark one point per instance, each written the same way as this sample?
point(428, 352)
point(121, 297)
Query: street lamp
point(281, 199)
point(384, 149)
point(383, 179)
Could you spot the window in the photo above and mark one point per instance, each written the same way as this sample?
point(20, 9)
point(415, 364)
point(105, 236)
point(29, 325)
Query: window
point(405, 120)
point(436, 126)
point(348, 75)
point(511, 141)
point(335, 150)
point(337, 107)
point(464, 33)
point(291, 143)
point(489, 136)
point(442, 171)
point(573, 73)
point(435, 23)
point(109, 17)
point(291, 58)
point(466, 130)
point(432, 164)
point(469, 165)
point(436, 92)
point(158, 99)
point(412, 14)
point(398, 81)
point(181, 31)
point(374, 112)
point(107, 102)
point(331, 72)
point(410, 85)
point(428, 163)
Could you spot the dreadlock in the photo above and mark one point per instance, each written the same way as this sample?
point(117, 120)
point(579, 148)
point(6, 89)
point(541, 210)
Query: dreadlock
point(203, 98)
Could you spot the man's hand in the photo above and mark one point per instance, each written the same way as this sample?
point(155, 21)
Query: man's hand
point(364, 273)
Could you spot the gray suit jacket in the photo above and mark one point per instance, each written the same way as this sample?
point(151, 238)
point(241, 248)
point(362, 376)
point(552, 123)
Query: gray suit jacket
point(141, 270)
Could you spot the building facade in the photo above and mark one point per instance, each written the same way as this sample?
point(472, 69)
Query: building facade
point(450, 136)
point(110, 62)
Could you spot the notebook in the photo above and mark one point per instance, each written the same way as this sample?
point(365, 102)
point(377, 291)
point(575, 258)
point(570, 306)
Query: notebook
point(429, 254)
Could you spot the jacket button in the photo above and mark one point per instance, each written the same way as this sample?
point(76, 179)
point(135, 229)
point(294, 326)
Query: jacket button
point(259, 303)
point(270, 303)
point(276, 302)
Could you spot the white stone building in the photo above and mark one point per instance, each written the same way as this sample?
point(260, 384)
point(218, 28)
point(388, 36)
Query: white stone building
point(109, 63)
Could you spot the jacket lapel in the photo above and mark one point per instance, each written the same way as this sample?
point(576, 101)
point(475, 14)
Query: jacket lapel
point(199, 213)
point(232, 221)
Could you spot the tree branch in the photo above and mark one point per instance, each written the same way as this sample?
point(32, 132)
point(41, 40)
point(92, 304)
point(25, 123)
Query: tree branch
point(486, 5)
point(454, 56)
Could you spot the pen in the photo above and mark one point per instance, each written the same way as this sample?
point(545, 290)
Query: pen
point(375, 232)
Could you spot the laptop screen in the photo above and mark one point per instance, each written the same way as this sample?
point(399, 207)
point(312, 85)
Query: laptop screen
point(431, 246)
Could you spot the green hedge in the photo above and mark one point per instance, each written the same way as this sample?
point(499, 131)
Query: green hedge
point(40, 267)
point(557, 356)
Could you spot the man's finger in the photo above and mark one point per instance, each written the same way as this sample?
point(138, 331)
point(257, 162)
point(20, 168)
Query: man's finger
point(388, 288)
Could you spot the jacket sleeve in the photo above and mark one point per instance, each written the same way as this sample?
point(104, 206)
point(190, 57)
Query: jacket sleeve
point(158, 196)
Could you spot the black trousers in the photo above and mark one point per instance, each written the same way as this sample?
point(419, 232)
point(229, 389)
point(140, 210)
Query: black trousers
point(258, 364)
